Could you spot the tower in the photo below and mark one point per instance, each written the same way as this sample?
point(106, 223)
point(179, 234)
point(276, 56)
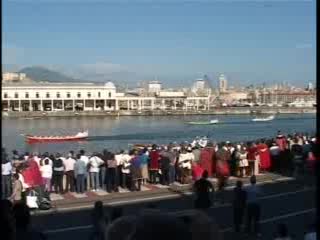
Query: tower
point(222, 83)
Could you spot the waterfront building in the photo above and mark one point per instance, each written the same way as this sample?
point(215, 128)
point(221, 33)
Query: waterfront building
point(13, 77)
point(93, 97)
point(285, 97)
point(235, 96)
point(154, 87)
point(223, 84)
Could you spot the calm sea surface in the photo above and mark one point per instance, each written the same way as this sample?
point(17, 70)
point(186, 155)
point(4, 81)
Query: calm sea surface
point(115, 134)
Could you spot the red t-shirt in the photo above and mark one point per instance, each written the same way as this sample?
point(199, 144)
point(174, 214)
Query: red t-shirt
point(154, 160)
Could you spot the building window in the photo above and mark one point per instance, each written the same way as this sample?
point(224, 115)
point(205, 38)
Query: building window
point(27, 95)
point(79, 95)
point(16, 95)
point(58, 95)
point(89, 95)
point(5, 95)
point(68, 95)
point(109, 94)
point(99, 94)
point(48, 95)
point(37, 95)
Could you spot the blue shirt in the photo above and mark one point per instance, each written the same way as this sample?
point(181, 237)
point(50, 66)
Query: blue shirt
point(143, 159)
point(80, 167)
point(253, 191)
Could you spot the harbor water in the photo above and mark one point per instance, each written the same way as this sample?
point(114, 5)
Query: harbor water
point(115, 133)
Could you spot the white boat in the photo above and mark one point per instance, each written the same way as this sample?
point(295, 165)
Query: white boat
point(266, 119)
point(214, 121)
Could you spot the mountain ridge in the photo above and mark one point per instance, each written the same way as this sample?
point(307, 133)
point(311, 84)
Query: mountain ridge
point(38, 74)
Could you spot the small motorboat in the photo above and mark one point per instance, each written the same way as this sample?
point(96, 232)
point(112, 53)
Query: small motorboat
point(78, 136)
point(266, 119)
point(214, 121)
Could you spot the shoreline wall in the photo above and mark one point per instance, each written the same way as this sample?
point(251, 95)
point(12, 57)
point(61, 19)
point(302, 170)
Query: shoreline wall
point(217, 111)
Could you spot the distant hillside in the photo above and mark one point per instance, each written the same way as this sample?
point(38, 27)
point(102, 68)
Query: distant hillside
point(43, 74)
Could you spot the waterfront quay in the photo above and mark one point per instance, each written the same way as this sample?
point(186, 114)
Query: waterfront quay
point(105, 99)
point(216, 111)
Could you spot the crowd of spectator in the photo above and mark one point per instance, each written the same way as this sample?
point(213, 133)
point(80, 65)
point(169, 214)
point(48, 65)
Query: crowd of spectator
point(153, 164)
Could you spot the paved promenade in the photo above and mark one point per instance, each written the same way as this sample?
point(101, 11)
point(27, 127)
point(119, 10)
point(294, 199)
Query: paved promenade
point(284, 200)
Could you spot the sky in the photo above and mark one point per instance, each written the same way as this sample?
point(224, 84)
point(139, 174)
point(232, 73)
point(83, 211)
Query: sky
point(175, 41)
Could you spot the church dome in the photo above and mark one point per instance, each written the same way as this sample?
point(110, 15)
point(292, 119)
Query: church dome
point(109, 85)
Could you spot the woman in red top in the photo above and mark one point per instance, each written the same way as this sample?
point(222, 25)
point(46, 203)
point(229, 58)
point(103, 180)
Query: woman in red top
point(154, 164)
point(196, 172)
point(264, 153)
point(207, 159)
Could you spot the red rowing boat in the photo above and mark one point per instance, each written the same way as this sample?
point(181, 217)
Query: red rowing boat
point(77, 137)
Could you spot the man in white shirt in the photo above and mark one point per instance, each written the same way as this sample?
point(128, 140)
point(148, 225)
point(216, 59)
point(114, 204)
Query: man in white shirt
point(125, 170)
point(185, 159)
point(85, 159)
point(6, 171)
point(69, 163)
point(119, 159)
point(95, 162)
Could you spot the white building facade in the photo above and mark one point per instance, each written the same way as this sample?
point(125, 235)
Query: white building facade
point(50, 97)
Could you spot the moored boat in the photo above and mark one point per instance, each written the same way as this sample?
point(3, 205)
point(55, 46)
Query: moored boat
point(78, 136)
point(266, 119)
point(214, 121)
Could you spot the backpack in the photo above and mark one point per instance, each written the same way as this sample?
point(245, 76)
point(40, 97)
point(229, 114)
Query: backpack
point(45, 204)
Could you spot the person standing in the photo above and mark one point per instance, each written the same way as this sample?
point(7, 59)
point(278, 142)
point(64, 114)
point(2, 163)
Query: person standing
point(144, 160)
point(58, 172)
point(135, 170)
point(297, 157)
point(204, 191)
point(207, 158)
point(264, 155)
point(165, 166)
point(243, 161)
point(99, 222)
point(112, 175)
point(6, 171)
point(119, 159)
point(275, 153)
point(253, 159)
point(253, 207)
point(46, 173)
point(69, 171)
point(85, 159)
point(16, 195)
point(126, 170)
point(154, 164)
point(222, 167)
point(80, 169)
point(239, 204)
point(94, 163)
point(185, 159)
